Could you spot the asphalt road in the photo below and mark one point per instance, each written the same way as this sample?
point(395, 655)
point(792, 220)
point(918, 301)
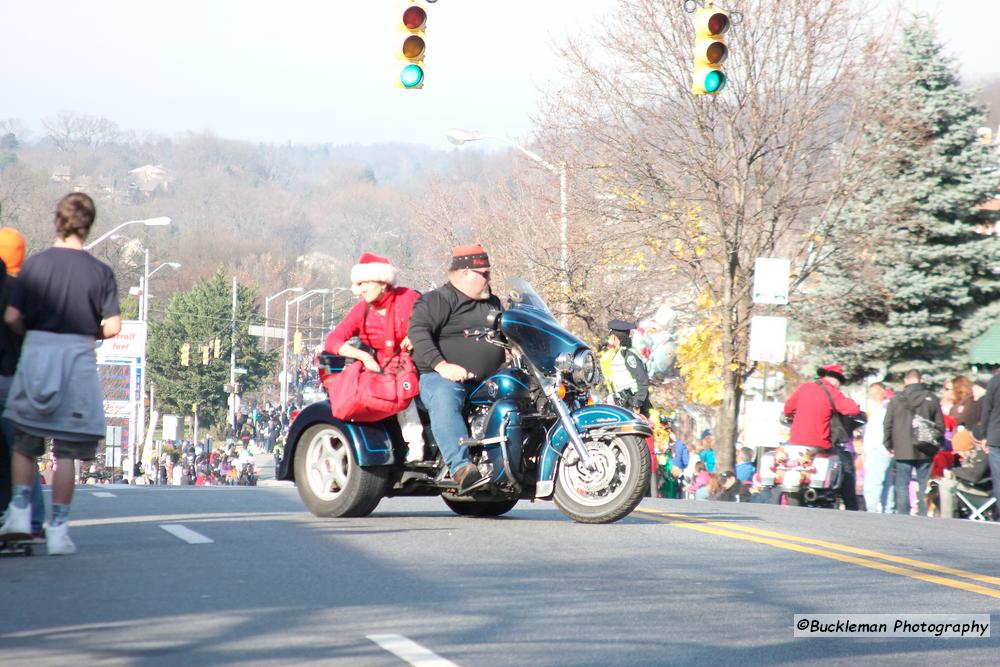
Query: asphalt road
point(678, 582)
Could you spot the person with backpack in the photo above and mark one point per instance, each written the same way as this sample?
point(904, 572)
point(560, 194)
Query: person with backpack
point(816, 410)
point(913, 433)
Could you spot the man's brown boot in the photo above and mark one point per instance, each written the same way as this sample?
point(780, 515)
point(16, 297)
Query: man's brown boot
point(466, 476)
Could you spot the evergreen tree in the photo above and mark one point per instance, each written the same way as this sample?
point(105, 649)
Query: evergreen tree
point(198, 317)
point(912, 281)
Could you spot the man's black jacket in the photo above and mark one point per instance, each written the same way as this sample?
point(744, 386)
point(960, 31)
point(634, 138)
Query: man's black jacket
point(989, 420)
point(898, 425)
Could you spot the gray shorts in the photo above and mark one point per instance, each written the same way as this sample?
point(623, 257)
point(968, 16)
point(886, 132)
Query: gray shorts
point(33, 446)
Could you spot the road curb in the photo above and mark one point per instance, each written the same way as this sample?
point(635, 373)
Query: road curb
point(275, 482)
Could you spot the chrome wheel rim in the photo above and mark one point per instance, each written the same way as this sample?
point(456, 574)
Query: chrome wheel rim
point(595, 488)
point(329, 463)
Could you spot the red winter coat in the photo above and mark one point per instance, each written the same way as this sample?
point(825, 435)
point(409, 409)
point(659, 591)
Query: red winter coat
point(399, 303)
point(811, 411)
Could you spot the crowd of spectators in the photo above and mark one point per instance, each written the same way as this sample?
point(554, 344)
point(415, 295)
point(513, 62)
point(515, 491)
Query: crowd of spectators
point(961, 461)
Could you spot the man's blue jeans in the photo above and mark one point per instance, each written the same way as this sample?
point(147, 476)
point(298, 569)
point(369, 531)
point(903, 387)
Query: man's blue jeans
point(994, 455)
point(888, 486)
point(904, 471)
point(444, 401)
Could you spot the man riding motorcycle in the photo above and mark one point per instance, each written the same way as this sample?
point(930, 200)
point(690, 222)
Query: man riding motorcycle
point(450, 363)
point(812, 407)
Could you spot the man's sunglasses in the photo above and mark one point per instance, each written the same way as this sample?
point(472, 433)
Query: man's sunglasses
point(484, 273)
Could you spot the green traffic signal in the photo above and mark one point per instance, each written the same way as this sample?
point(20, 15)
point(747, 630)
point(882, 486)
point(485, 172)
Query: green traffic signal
point(411, 76)
point(714, 82)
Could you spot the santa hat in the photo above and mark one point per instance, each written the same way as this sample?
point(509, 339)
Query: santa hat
point(371, 267)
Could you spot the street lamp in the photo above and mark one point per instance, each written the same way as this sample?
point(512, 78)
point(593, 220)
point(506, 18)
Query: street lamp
point(143, 316)
point(333, 305)
point(459, 137)
point(267, 308)
point(144, 286)
point(284, 352)
point(150, 222)
point(172, 265)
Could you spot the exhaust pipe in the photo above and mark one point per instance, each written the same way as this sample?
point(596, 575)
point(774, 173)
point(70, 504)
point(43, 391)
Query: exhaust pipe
point(810, 495)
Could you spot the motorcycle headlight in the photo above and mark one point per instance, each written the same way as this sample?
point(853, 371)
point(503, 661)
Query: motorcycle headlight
point(584, 368)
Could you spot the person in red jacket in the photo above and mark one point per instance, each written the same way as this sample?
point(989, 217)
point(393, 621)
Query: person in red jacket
point(380, 319)
point(810, 411)
point(810, 408)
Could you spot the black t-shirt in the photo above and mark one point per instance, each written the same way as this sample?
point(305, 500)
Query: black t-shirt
point(63, 290)
point(437, 332)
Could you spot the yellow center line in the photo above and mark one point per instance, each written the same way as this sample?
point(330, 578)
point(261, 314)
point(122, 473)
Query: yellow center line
point(788, 542)
point(902, 560)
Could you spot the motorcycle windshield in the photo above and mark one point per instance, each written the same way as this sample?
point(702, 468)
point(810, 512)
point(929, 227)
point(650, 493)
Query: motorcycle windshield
point(523, 295)
point(529, 323)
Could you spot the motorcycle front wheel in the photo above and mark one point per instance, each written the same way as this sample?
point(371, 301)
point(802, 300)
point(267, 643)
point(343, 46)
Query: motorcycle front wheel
point(329, 479)
point(610, 492)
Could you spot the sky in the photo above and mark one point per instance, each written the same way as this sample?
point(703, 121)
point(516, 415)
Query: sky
point(323, 71)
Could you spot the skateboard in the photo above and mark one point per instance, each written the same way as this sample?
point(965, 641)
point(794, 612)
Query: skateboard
point(16, 544)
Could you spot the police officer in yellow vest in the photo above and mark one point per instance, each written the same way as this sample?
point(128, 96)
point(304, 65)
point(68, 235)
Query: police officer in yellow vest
point(627, 379)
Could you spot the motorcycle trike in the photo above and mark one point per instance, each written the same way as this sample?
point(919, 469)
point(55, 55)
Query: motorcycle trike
point(532, 434)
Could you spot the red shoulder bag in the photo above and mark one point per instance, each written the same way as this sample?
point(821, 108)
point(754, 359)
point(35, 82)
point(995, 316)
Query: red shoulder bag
point(360, 395)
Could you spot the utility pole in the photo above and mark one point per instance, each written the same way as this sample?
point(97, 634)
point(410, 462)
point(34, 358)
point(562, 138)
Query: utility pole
point(232, 360)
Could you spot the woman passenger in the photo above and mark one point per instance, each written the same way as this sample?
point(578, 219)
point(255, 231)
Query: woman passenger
point(373, 278)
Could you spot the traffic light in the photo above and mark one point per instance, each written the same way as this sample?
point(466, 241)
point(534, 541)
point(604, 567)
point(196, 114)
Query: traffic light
point(297, 343)
point(186, 354)
point(413, 23)
point(710, 51)
point(206, 353)
point(218, 348)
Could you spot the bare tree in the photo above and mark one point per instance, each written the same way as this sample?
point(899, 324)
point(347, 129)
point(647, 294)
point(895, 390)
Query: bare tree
point(71, 131)
point(705, 185)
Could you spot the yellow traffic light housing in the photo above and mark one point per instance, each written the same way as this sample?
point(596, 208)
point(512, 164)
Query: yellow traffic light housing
point(710, 50)
point(218, 348)
point(206, 353)
point(186, 354)
point(413, 25)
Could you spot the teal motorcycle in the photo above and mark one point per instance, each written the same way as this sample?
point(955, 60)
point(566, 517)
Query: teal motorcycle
point(533, 433)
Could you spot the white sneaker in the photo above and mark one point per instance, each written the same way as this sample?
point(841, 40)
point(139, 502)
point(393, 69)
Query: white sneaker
point(57, 540)
point(16, 521)
point(415, 452)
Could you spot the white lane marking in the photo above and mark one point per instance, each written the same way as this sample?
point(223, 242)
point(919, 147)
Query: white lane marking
point(186, 534)
point(410, 651)
point(103, 494)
